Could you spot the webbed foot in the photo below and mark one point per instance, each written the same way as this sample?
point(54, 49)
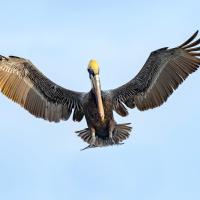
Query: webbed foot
point(89, 146)
point(111, 141)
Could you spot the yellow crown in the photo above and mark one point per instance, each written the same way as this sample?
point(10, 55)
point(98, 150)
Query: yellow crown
point(93, 65)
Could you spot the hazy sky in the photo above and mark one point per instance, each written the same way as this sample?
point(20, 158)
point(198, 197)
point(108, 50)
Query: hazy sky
point(41, 160)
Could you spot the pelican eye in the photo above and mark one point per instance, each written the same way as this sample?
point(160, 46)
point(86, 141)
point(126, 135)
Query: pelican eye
point(91, 72)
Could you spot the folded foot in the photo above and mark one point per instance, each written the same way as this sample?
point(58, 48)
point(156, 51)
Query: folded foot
point(89, 146)
point(111, 141)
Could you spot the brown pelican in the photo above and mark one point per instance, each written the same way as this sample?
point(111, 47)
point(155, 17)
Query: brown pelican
point(163, 72)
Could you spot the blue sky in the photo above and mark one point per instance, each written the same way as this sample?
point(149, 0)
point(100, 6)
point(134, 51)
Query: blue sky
point(41, 160)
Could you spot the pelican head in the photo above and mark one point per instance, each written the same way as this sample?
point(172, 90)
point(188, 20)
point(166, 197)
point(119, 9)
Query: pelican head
point(93, 67)
point(93, 70)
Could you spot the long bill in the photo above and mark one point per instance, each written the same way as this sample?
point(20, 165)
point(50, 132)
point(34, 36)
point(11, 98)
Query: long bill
point(97, 89)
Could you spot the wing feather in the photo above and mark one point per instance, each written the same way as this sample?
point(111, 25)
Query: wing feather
point(23, 83)
point(163, 72)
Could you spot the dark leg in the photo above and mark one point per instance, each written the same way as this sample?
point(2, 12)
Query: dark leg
point(111, 129)
point(93, 139)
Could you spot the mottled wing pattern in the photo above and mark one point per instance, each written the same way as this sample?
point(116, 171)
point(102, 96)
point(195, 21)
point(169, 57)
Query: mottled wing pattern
point(163, 72)
point(22, 82)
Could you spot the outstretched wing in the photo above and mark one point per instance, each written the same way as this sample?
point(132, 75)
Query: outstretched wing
point(22, 82)
point(163, 72)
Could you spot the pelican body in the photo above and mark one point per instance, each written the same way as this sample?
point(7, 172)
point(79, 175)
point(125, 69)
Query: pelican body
point(163, 72)
point(98, 110)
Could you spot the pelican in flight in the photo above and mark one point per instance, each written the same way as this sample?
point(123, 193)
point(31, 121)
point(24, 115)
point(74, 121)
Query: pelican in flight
point(163, 72)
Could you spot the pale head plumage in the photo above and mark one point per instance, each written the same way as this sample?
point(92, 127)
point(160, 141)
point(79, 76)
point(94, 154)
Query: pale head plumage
point(93, 66)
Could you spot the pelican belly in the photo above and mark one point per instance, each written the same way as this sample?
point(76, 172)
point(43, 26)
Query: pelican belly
point(102, 129)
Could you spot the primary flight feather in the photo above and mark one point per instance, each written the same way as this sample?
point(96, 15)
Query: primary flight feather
point(163, 72)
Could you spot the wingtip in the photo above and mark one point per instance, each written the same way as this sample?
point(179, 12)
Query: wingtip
point(195, 34)
point(183, 45)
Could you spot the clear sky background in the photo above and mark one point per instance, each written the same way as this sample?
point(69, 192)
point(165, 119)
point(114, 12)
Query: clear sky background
point(41, 160)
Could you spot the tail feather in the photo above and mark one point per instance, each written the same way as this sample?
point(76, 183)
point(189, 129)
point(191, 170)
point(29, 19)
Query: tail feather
point(121, 132)
point(85, 135)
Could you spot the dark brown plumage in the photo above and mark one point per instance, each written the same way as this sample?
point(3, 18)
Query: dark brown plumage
point(163, 72)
